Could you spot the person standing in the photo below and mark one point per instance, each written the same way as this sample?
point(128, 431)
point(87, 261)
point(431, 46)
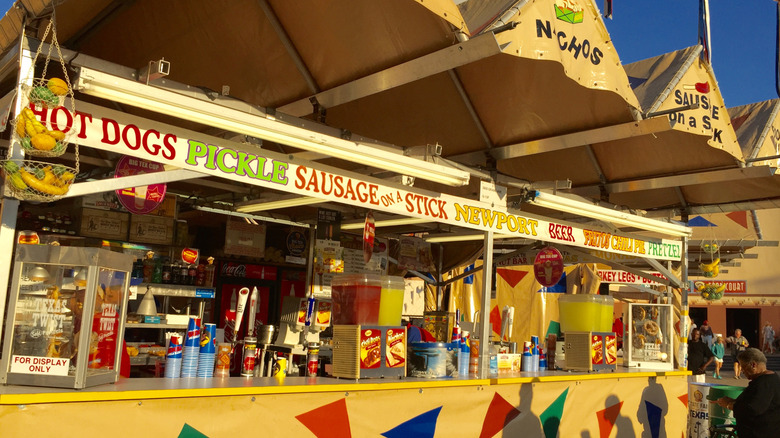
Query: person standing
point(706, 333)
point(738, 344)
point(617, 327)
point(718, 350)
point(769, 339)
point(699, 357)
point(757, 409)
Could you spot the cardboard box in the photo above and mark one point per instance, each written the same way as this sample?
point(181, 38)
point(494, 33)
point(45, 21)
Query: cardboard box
point(104, 224)
point(509, 363)
point(167, 207)
point(151, 229)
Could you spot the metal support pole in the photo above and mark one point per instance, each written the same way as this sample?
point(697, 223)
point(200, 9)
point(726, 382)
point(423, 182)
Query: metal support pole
point(683, 354)
point(484, 319)
point(10, 207)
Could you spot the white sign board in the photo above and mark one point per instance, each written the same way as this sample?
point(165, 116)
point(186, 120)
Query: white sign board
point(117, 132)
point(47, 366)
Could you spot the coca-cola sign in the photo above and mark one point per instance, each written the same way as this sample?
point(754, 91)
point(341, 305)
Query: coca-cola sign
point(242, 270)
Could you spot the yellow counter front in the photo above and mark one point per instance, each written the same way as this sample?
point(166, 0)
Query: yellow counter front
point(564, 404)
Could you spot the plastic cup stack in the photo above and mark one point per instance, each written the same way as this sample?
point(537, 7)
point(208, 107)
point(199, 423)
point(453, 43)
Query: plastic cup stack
point(173, 357)
point(189, 362)
point(208, 350)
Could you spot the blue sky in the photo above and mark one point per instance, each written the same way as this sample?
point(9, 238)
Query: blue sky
point(742, 34)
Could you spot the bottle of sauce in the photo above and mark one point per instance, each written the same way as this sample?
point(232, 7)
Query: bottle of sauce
point(148, 267)
point(210, 268)
point(200, 275)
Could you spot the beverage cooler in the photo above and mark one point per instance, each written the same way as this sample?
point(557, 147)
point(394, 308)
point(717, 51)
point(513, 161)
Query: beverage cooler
point(66, 314)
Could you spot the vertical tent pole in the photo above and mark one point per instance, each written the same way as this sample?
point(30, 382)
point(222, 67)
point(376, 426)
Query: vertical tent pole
point(683, 355)
point(10, 207)
point(484, 319)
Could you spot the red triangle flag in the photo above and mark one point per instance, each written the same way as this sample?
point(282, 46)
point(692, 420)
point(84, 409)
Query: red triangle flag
point(739, 217)
point(511, 276)
point(499, 414)
point(607, 419)
point(328, 421)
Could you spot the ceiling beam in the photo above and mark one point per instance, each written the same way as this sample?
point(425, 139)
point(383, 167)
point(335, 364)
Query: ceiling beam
point(760, 204)
point(475, 49)
point(706, 177)
point(577, 139)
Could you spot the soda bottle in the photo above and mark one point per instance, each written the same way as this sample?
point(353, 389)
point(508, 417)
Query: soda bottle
point(158, 269)
point(148, 267)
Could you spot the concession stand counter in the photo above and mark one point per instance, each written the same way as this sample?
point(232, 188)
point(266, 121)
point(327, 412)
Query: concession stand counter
point(212, 138)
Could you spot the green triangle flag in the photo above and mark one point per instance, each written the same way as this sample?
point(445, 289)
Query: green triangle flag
point(551, 417)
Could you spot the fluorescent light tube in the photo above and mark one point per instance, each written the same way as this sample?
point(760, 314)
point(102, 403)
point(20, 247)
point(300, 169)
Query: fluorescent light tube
point(560, 203)
point(466, 237)
point(264, 205)
point(385, 223)
point(114, 88)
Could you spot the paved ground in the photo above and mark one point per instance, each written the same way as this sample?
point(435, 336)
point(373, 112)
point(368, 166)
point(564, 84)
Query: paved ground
point(727, 371)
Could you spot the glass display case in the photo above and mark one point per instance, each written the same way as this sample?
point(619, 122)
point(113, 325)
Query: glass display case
point(649, 336)
point(66, 315)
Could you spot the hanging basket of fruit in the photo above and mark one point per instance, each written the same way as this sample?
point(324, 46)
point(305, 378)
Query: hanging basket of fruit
point(46, 93)
point(37, 181)
point(710, 292)
point(36, 139)
point(43, 127)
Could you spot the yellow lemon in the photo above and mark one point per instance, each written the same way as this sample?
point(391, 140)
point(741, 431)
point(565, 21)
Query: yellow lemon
point(57, 86)
point(43, 142)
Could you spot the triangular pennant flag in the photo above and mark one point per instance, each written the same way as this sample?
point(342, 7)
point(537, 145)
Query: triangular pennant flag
point(511, 276)
point(739, 217)
point(607, 419)
point(738, 121)
point(654, 415)
point(560, 286)
point(327, 421)
point(499, 414)
point(551, 417)
point(190, 432)
point(684, 399)
point(699, 221)
point(495, 320)
point(635, 82)
point(421, 426)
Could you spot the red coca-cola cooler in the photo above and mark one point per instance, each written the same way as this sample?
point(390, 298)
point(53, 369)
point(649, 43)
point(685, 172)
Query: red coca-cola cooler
point(271, 282)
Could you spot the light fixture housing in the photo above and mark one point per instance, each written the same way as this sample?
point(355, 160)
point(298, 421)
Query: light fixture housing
point(561, 203)
point(39, 273)
point(129, 92)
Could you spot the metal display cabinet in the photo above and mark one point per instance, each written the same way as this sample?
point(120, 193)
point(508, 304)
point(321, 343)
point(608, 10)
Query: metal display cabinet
point(66, 314)
point(649, 336)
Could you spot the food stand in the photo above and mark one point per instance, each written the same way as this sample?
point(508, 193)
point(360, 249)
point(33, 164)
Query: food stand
point(646, 400)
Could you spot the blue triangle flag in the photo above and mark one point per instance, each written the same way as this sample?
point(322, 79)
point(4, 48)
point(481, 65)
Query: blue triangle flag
point(421, 426)
point(699, 221)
